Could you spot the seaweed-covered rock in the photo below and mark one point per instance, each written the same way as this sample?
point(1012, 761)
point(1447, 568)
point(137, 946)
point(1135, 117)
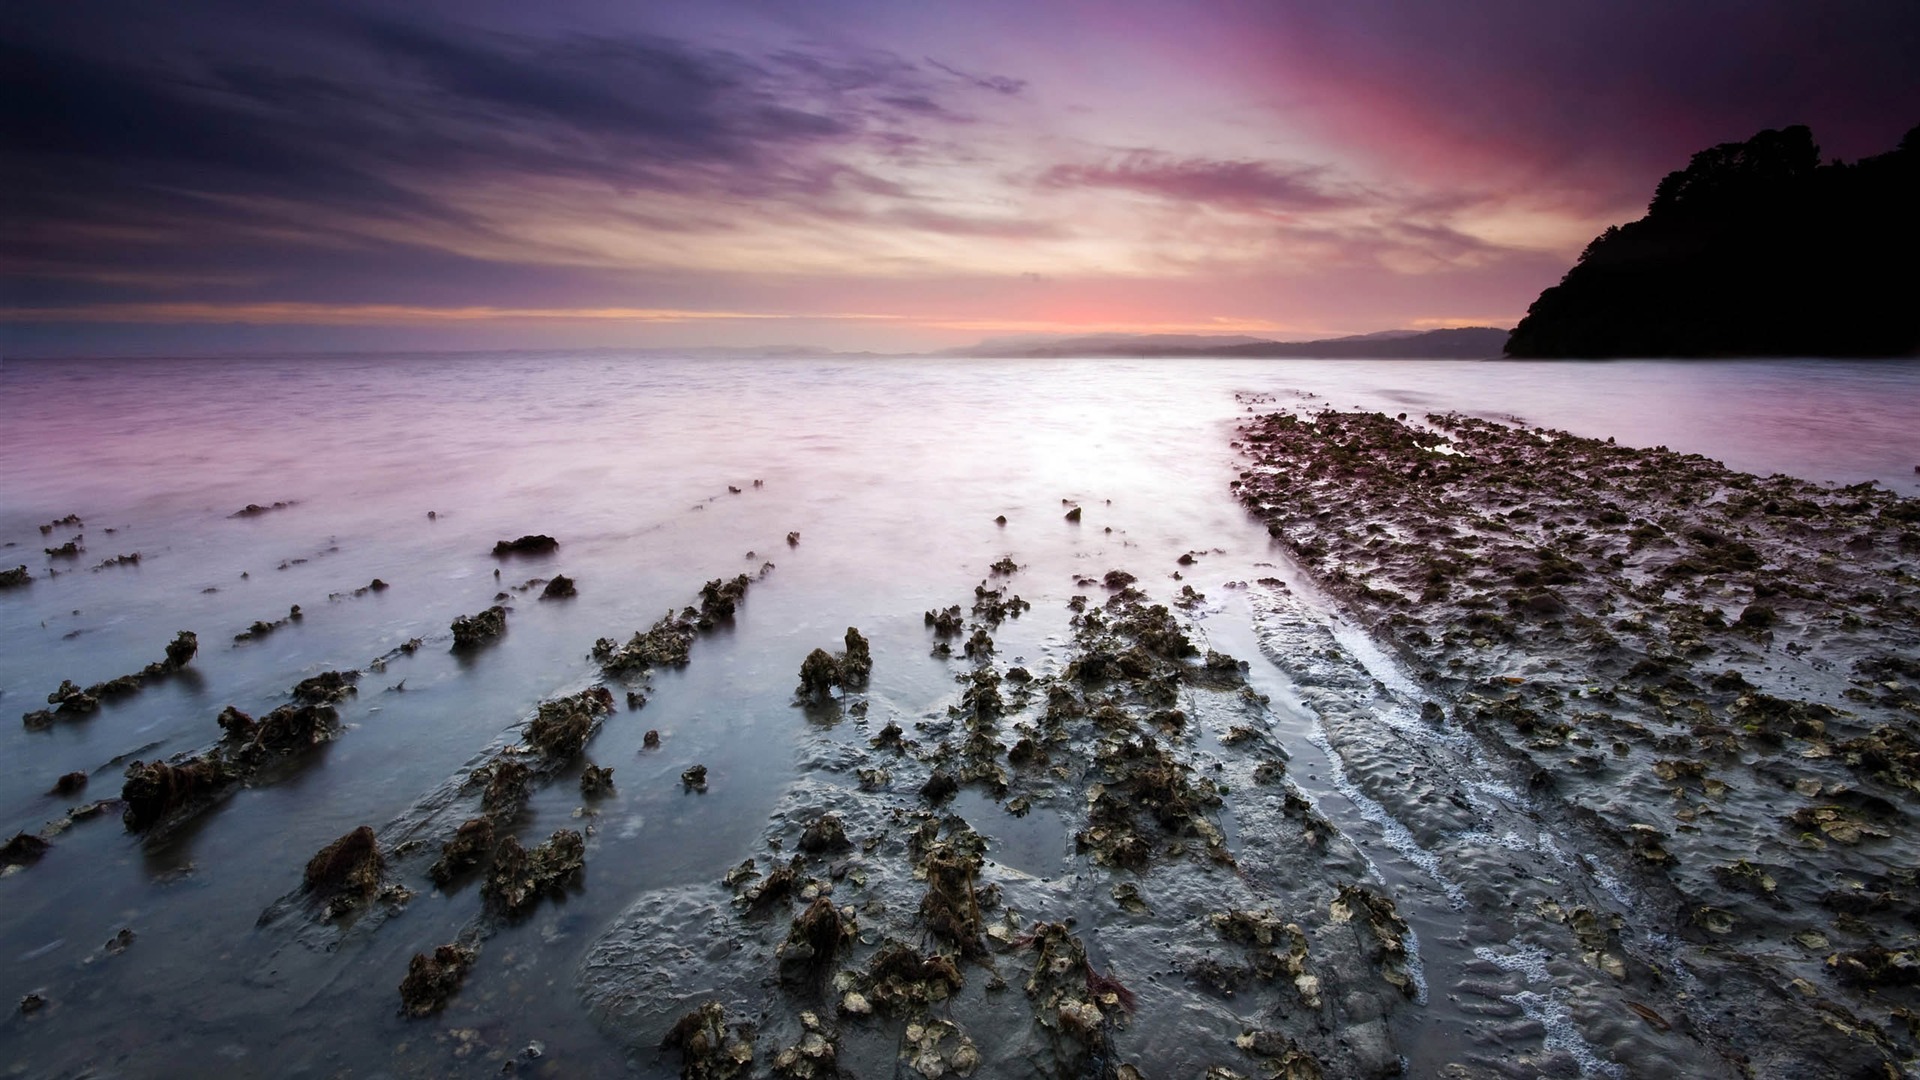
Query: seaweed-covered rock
point(780, 885)
point(817, 936)
point(433, 980)
point(694, 778)
point(665, 644)
point(856, 665)
point(72, 699)
point(153, 790)
point(469, 846)
point(15, 577)
point(559, 588)
point(346, 872)
point(946, 622)
point(709, 1048)
point(519, 877)
point(505, 789)
point(69, 783)
point(939, 787)
point(291, 728)
point(531, 544)
point(24, 849)
point(1071, 1000)
point(473, 630)
point(819, 674)
point(596, 780)
point(236, 725)
point(719, 599)
point(950, 908)
point(824, 834)
point(562, 726)
point(814, 1057)
point(1389, 930)
point(821, 671)
point(326, 687)
point(898, 979)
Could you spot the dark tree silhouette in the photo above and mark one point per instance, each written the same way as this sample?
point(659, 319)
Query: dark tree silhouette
point(1754, 249)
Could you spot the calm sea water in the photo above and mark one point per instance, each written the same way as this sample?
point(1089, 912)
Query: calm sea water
point(892, 471)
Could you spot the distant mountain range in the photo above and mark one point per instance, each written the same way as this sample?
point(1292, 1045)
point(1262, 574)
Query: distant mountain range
point(1466, 343)
point(1754, 249)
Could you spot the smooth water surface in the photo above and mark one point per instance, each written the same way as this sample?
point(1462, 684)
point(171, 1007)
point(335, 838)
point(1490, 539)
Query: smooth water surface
point(891, 471)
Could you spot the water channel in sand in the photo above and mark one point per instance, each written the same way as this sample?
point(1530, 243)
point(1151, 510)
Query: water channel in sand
point(891, 471)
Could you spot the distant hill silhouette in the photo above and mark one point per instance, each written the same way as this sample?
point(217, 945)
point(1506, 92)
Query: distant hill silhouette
point(1754, 249)
point(1461, 343)
point(1457, 343)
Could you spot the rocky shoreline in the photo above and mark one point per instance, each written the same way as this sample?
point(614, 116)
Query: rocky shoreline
point(1102, 909)
point(1708, 678)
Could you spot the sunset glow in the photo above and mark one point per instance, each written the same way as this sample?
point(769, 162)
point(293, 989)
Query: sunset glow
point(866, 175)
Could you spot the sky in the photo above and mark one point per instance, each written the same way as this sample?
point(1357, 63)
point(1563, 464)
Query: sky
point(208, 176)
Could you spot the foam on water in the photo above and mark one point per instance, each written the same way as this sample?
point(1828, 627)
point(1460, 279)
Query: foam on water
point(1549, 1010)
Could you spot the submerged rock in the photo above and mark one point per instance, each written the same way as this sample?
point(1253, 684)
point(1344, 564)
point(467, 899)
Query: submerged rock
point(255, 509)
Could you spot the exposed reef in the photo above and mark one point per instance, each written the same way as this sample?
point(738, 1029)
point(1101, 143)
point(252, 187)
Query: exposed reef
point(899, 945)
point(1702, 675)
point(667, 643)
point(70, 700)
point(160, 796)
